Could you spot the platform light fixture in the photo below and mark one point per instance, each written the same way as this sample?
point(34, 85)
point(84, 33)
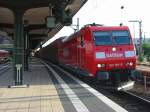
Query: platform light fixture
point(50, 20)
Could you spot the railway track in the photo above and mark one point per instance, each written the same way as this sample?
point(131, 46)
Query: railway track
point(145, 70)
point(130, 101)
point(142, 75)
point(144, 100)
point(143, 67)
point(148, 65)
point(4, 68)
point(126, 99)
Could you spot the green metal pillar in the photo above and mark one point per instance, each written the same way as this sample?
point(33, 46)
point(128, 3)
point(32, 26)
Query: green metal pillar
point(26, 46)
point(18, 47)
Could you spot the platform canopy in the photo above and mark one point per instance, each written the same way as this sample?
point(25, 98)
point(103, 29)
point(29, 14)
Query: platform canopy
point(35, 12)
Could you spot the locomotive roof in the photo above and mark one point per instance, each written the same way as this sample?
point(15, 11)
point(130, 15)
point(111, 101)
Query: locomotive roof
point(64, 39)
point(107, 27)
point(94, 28)
point(67, 38)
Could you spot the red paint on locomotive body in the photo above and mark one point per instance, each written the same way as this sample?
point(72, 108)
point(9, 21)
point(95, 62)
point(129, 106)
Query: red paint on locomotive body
point(94, 49)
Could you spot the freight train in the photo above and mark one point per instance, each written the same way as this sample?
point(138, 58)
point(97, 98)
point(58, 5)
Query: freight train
point(106, 53)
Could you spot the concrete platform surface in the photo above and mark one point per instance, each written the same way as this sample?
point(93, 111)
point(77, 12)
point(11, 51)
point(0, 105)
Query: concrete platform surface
point(51, 90)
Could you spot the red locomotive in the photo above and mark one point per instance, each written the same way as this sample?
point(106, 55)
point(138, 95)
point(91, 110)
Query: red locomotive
point(3, 56)
point(105, 53)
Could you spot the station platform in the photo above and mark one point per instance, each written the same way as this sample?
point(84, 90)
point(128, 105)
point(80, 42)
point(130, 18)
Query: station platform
point(51, 90)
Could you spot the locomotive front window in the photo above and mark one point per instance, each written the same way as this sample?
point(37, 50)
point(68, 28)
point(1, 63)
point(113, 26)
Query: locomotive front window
point(120, 37)
point(102, 38)
point(112, 37)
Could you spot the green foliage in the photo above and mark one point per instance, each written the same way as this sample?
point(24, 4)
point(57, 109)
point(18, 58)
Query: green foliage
point(148, 58)
point(141, 58)
point(146, 48)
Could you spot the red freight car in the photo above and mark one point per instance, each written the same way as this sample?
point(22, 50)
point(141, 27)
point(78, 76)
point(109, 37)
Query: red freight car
point(105, 53)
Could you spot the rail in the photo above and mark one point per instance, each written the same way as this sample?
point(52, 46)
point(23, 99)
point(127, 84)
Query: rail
point(145, 72)
point(146, 101)
point(4, 68)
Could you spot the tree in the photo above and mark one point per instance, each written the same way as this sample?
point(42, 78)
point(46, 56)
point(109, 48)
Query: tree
point(146, 49)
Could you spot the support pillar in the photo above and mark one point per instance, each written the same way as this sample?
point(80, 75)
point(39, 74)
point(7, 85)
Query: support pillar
point(26, 45)
point(18, 47)
point(140, 38)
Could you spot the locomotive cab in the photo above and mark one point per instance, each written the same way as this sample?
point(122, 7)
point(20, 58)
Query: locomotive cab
point(115, 55)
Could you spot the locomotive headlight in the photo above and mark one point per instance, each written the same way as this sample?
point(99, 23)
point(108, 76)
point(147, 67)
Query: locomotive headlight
point(100, 65)
point(114, 49)
point(131, 63)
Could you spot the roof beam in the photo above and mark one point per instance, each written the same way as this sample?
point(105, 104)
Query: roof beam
point(26, 4)
point(36, 36)
point(37, 26)
point(31, 26)
point(6, 25)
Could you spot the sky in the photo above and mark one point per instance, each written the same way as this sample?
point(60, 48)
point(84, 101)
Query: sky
point(109, 13)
